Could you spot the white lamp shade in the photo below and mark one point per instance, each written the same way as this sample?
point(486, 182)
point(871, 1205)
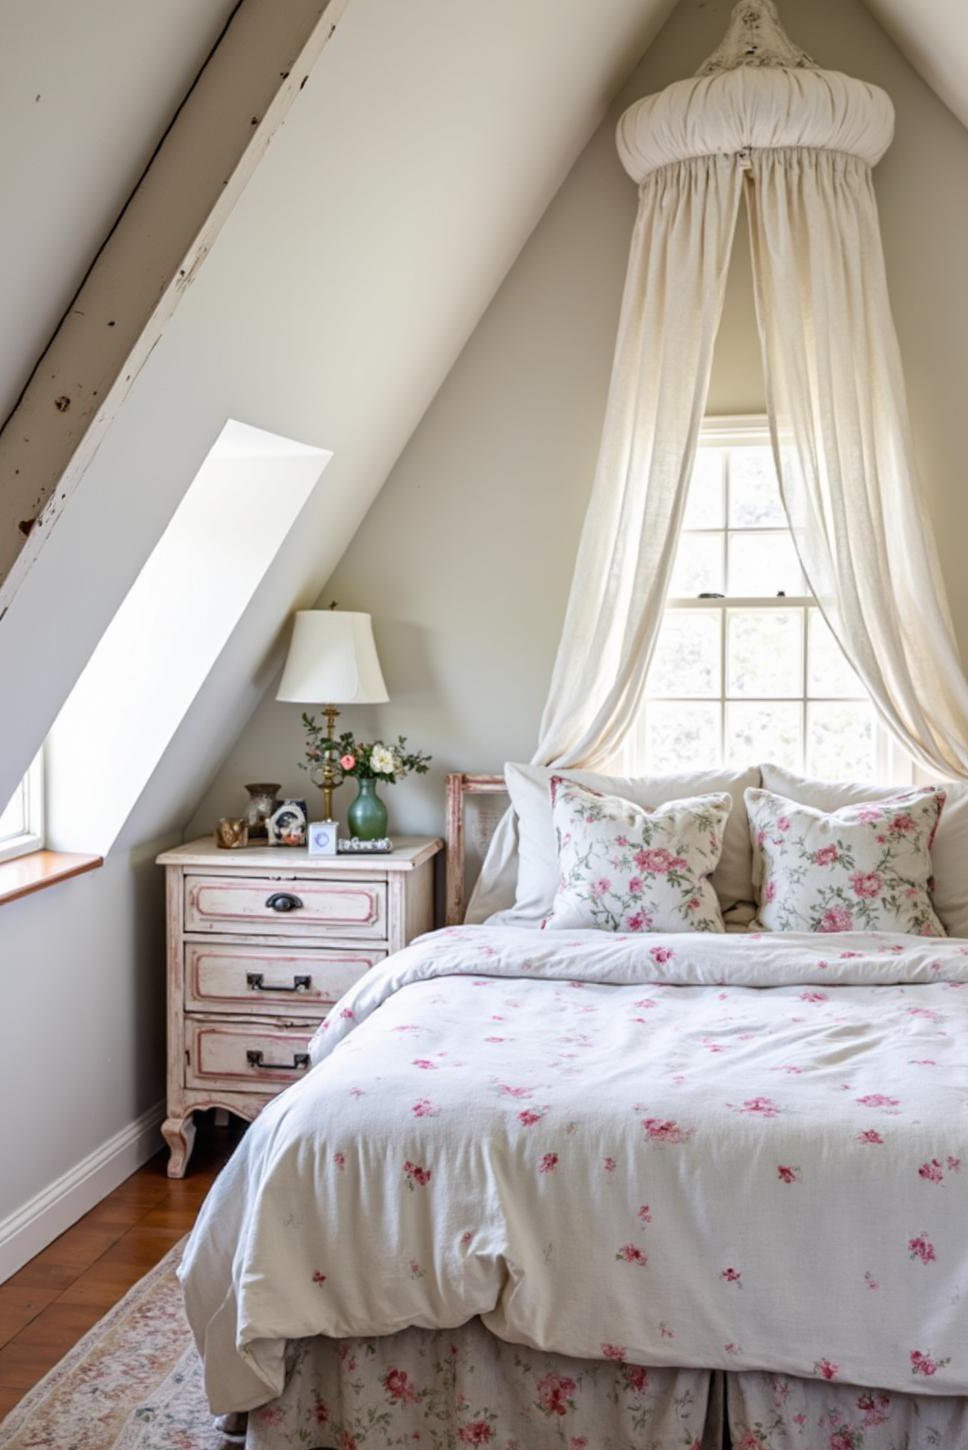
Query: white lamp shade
point(332, 661)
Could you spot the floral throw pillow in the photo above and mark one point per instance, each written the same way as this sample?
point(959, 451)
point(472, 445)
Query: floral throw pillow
point(865, 867)
point(623, 868)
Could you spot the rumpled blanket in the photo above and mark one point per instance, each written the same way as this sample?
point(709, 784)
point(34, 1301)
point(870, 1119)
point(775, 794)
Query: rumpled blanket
point(693, 1151)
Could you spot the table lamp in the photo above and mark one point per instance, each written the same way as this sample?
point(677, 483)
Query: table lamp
point(332, 657)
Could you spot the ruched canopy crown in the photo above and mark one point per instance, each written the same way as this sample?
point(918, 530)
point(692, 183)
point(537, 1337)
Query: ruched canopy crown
point(756, 91)
point(755, 107)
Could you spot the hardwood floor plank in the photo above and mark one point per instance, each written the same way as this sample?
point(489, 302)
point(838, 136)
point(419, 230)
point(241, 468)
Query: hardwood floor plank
point(8, 1399)
point(49, 1303)
point(45, 1340)
point(123, 1211)
point(57, 1266)
point(173, 1216)
point(189, 1193)
point(136, 1192)
point(102, 1285)
point(142, 1247)
point(18, 1306)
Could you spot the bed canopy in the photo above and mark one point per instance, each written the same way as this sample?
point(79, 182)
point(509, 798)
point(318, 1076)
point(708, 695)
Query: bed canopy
point(760, 121)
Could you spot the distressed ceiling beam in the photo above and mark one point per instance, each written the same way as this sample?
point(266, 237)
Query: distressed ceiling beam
point(221, 131)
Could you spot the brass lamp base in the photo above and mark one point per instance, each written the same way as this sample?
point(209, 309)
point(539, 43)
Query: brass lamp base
point(328, 780)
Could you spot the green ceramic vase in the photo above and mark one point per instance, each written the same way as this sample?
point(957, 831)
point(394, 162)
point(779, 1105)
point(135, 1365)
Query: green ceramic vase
point(367, 815)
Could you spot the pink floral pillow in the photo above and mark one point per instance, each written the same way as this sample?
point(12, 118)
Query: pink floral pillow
point(623, 868)
point(864, 867)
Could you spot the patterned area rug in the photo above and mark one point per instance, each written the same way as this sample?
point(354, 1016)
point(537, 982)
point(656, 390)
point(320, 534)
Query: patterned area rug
point(134, 1382)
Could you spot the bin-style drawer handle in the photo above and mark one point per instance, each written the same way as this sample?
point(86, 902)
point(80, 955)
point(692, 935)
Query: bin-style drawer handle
point(256, 982)
point(256, 1059)
point(283, 901)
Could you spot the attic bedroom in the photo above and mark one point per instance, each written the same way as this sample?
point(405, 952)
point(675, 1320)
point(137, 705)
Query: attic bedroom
point(484, 876)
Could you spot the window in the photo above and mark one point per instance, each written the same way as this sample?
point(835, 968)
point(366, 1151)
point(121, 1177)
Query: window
point(745, 668)
point(22, 821)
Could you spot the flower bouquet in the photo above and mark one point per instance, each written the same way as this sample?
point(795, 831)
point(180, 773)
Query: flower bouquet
point(369, 762)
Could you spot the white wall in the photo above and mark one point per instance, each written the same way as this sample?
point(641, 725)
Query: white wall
point(82, 1037)
point(934, 37)
point(466, 556)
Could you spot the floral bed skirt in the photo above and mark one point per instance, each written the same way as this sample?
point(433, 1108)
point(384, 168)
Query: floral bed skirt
point(443, 1389)
point(774, 1412)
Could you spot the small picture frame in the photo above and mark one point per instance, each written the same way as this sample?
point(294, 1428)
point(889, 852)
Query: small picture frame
point(287, 824)
point(323, 838)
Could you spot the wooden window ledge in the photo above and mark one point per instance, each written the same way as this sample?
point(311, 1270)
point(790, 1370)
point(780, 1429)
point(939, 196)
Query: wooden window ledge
point(38, 869)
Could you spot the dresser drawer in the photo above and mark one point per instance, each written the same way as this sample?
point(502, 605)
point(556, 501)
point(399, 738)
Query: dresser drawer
point(294, 908)
point(220, 977)
point(245, 1054)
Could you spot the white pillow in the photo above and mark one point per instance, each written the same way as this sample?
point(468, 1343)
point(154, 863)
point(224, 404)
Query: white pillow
point(949, 854)
point(530, 792)
point(864, 867)
point(622, 868)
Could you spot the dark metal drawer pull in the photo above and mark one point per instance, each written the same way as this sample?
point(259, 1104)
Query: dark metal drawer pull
point(257, 983)
point(283, 901)
point(299, 1060)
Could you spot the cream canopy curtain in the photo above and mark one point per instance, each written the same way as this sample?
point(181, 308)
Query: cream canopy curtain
point(671, 307)
point(843, 444)
point(759, 118)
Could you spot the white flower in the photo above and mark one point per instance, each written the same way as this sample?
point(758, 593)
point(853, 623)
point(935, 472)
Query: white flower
point(383, 761)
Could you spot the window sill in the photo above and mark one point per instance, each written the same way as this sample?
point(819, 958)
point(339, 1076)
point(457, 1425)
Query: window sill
point(38, 869)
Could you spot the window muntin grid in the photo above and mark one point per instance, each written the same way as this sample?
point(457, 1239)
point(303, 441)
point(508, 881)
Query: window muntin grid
point(754, 674)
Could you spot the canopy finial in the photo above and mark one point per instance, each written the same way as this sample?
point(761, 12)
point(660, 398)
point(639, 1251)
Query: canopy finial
point(755, 37)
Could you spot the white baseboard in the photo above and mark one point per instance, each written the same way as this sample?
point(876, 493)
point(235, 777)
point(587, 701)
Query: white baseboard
point(33, 1226)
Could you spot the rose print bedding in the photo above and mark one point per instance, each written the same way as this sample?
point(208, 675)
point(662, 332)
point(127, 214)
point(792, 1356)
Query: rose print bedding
point(442, 1390)
point(774, 1412)
point(700, 1151)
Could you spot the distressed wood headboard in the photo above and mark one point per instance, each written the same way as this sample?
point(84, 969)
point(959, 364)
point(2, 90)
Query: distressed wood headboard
point(467, 835)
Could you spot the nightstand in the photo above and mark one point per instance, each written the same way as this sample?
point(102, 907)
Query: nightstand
point(261, 942)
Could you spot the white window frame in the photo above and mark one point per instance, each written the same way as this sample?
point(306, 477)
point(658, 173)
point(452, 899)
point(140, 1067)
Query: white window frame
point(891, 763)
point(31, 836)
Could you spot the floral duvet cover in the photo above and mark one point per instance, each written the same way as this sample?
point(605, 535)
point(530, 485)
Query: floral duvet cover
point(695, 1151)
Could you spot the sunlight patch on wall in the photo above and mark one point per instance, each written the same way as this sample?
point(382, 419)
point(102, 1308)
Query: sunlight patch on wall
point(157, 652)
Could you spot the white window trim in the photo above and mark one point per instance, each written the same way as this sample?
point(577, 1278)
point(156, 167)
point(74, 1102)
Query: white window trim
point(892, 763)
point(32, 838)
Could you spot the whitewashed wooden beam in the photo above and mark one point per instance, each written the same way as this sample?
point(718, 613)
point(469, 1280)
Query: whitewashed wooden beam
point(237, 104)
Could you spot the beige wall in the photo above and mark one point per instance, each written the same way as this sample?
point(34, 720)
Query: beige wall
point(465, 558)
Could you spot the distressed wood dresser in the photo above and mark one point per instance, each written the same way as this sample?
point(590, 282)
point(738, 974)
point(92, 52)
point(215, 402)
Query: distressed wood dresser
point(261, 942)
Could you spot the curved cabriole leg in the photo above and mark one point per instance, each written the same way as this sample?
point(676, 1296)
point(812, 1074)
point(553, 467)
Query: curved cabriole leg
point(179, 1134)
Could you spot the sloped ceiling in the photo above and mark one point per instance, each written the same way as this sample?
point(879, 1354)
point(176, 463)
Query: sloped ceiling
point(85, 94)
point(416, 162)
point(933, 34)
point(415, 165)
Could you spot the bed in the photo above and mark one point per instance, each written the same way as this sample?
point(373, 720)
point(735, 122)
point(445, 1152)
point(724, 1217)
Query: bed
point(589, 1189)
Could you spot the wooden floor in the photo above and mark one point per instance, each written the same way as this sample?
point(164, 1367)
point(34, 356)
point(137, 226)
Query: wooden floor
point(57, 1296)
